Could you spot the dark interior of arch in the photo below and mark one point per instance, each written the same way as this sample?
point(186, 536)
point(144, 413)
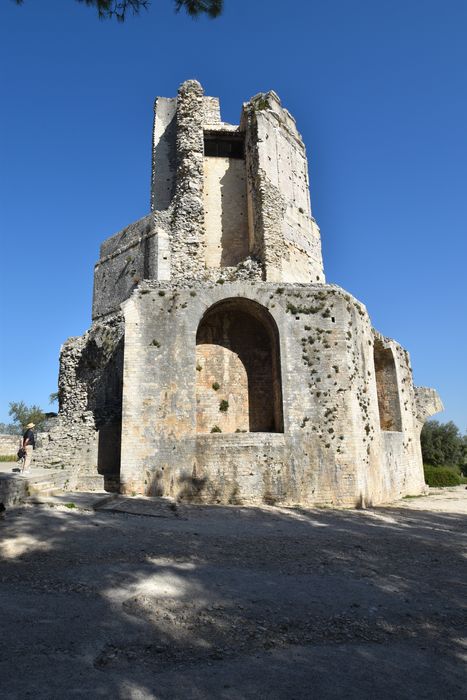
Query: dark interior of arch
point(238, 349)
point(388, 391)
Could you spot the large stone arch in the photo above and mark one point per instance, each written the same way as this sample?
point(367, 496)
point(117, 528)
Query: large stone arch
point(238, 373)
point(387, 388)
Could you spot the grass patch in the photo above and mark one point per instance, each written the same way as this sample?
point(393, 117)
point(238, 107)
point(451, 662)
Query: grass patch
point(70, 505)
point(8, 458)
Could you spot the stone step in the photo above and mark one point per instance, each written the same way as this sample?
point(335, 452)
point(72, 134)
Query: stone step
point(90, 482)
point(81, 500)
point(46, 480)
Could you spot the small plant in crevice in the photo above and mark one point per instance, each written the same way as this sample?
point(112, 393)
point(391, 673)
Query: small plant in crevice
point(192, 293)
point(216, 386)
point(198, 367)
point(155, 343)
point(161, 293)
point(304, 422)
point(216, 429)
point(224, 406)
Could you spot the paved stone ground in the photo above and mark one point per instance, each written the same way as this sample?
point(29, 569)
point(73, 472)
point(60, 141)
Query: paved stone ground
point(232, 602)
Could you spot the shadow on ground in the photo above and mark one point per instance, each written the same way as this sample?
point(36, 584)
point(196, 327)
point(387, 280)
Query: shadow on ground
point(232, 602)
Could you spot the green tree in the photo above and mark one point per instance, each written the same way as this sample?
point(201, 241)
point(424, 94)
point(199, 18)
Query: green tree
point(107, 9)
point(442, 444)
point(53, 397)
point(22, 414)
point(9, 429)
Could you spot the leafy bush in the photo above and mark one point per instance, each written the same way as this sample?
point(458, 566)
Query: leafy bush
point(442, 444)
point(22, 414)
point(441, 476)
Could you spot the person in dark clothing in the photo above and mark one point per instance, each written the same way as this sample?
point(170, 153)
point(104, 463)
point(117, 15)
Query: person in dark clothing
point(29, 442)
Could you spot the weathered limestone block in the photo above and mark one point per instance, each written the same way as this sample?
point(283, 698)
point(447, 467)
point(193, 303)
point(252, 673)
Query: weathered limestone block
point(427, 402)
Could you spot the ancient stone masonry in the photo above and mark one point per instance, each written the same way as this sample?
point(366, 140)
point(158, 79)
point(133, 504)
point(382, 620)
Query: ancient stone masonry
point(220, 367)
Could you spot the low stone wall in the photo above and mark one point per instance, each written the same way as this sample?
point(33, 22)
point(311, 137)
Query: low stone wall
point(9, 444)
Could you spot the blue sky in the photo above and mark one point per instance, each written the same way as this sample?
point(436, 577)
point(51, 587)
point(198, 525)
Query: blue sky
point(378, 88)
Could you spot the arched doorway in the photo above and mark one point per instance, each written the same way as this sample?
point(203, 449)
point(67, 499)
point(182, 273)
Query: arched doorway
point(387, 389)
point(238, 384)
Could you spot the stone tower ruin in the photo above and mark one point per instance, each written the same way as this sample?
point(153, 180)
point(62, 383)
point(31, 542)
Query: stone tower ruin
point(220, 366)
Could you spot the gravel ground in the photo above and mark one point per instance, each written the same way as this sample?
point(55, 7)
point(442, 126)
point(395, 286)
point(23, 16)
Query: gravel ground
point(234, 602)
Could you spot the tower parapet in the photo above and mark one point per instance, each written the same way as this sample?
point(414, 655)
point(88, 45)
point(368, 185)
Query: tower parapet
point(226, 200)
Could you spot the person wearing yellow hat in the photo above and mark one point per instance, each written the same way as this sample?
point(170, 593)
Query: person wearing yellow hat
point(29, 442)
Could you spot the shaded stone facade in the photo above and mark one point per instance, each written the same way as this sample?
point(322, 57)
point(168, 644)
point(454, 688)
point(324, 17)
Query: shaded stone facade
point(220, 366)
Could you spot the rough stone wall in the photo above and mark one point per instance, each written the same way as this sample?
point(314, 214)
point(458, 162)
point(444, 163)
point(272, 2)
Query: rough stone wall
point(164, 153)
point(9, 444)
point(124, 261)
point(286, 237)
point(222, 377)
point(226, 213)
point(427, 402)
point(188, 234)
point(238, 376)
point(211, 112)
point(387, 388)
point(90, 390)
point(12, 491)
point(332, 450)
point(213, 213)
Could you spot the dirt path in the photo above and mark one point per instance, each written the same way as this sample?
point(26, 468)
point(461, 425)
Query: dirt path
point(232, 602)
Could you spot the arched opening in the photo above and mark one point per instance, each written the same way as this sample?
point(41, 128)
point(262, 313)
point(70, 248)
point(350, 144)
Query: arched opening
point(238, 384)
point(386, 386)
